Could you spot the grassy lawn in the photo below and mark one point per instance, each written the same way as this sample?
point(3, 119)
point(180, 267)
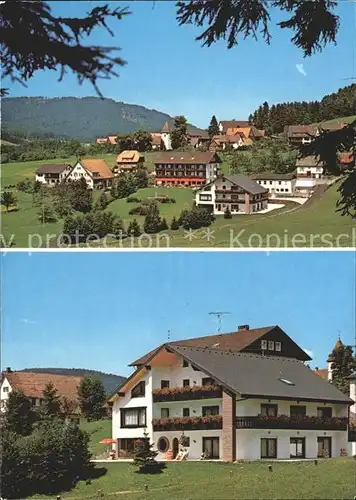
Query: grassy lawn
point(318, 218)
point(330, 479)
point(97, 431)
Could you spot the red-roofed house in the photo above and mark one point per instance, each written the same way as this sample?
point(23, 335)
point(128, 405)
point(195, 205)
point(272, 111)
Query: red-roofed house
point(95, 171)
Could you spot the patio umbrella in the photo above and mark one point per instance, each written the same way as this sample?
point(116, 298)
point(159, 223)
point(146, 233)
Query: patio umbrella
point(107, 441)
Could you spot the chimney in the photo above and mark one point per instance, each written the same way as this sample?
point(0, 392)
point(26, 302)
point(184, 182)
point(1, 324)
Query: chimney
point(243, 327)
point(8, 370)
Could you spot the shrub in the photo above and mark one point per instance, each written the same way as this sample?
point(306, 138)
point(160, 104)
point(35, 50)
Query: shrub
point(133, 199)
point(134, 229)
point(196, 218)
point(163, 225)
point(227, 214)
point(174, 224)
point(26, 186)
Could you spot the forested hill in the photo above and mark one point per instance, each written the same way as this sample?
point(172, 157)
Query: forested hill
point(78, 118)
point(109, 380)
point(275, 117)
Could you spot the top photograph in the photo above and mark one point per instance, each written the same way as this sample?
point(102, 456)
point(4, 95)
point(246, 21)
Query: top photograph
point(195, 124)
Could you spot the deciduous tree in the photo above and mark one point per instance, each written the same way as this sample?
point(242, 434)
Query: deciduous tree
point(179, 133)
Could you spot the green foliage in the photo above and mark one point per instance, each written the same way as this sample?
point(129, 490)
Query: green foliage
point(196, 218)
point(142, 141)
point(174, 224)
point(52, 459)
point(84, 228)
point(8, 199)
point(124, 185)
point(102, 202)
point(133, 199)
point(179, 133)
point(144, 455)
point(343, 365)
point(275, 118)
point(118, 228)
point(20, 415)
point(26, 186)
point(141, 178)
point(91, 396)
point(51, 403)
point(46, 214)
point(81, 197)
point(227, 214)
point(213, 127)
point(163, 225)
point(152, 222)
point(134, 229)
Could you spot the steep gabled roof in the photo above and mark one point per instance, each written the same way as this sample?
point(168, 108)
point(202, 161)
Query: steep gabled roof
point(233, 124)
point(235, 341)
point(32, 384)
point(246, 183)
point(254, 375)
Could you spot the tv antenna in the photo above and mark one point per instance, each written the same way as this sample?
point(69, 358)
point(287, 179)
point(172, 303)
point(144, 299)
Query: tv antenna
point(218, 314)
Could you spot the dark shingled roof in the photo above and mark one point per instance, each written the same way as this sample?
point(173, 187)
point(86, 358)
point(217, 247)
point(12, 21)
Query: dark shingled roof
point(51, 169)
point(270, 176)
point(246, 183)
point(235, 341)
point(253, 375)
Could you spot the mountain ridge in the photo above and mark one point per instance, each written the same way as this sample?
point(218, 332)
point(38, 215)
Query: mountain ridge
point(81, 118)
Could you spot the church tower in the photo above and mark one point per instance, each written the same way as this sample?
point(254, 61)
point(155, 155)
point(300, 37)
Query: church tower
point(331, 357)
point(166, 137)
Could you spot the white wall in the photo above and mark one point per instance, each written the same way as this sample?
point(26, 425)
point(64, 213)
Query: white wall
point(4, 393)
point(248, 442)
point(316, 172)
point(278, 186)
point(78, 172)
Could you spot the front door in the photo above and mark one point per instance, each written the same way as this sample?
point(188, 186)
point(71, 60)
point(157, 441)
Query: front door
point(297, 447)
point(175, 446)
point(324, 447)
point(211, 447)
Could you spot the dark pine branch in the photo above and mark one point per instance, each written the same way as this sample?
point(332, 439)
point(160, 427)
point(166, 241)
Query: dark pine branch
point(33, 39)
point(313, 21)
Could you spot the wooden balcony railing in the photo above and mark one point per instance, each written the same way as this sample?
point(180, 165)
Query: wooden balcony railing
point(187, 423)
point(186, 393)
point(287, 422)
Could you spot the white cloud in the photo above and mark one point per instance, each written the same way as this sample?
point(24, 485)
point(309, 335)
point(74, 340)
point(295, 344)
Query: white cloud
point(309, 352)
point(28, 321)
point(301, 69)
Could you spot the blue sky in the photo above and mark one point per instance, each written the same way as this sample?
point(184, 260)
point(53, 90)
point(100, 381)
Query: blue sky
point(169, 71)
point(103, 310)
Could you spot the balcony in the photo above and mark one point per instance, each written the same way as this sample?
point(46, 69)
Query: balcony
point(187, 423)
point(287, 422)
point(186, 393)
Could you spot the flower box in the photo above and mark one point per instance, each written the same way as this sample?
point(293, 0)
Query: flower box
point(186, 393)
point(187, 423)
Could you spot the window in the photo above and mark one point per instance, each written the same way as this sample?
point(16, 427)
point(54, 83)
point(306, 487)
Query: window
point(163, 444)
point(139, 390)
point(205, 197)
point(133, 417)
point(186, 382)
point(298, 411)
point(186, 412)
point(270, 345)
point(207, 381)
point(297, 447)
point(268, 448)
point(263, 344)
point(278, 346)
point(210, 410)
point(211, 447)
point(164, 412)
point(127, 444)
point(185, 363)
point(164, 384)
point(325, 412)
point(269, 410)
point(324, 447)
point(5, 389)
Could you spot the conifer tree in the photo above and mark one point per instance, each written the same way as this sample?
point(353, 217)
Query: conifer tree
point(144, 455)
point(213, 127)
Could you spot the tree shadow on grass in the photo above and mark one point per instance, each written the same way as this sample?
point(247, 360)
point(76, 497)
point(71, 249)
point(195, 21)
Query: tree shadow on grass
point(152, 469)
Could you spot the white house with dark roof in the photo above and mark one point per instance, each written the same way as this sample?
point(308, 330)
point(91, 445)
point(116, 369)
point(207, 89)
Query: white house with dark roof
point(51, 174)
point(245, 395)
point(238, 193)
point(277, 184)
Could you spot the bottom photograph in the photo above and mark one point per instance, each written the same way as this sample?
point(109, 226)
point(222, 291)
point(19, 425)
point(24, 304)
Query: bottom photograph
point(195, 375)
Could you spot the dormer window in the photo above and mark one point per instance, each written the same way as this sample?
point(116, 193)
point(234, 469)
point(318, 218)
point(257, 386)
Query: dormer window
point(139, 390)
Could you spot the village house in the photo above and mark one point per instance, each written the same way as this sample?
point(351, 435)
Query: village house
point(186, 169)
point(96, 173)
point(198, 138)
point(156, 141)
point(245, 395)
point(298, 135)
point(309, 169)
point(237, 193)
point(32, 384)
point(128, 161)
point(111, 139)
point(225, 125)
point(277, 184)
point(52, 174)
point(224, 142)
point(346, 161)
